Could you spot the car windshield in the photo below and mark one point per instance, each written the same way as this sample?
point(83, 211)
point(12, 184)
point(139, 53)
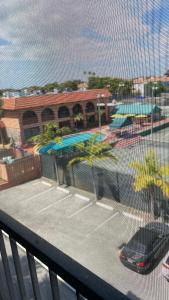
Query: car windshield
point(137, 246)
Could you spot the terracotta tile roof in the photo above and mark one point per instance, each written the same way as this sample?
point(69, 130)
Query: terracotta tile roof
point(150, 79)
point(52, 99)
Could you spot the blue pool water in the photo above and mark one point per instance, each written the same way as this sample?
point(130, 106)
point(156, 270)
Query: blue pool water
point(69, 141)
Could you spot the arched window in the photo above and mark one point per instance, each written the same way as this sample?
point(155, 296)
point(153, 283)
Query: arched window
point(29, 117)
point(63, 112)
point(77, 109)
point(91, 121)
point(47, 115)
point(90, 107)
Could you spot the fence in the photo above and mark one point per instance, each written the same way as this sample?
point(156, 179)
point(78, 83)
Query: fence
point(6, 152)
point(110, 184)
point(21, 170)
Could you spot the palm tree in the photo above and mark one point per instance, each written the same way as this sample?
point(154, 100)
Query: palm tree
point(48, 136)
point(93, 151)
point(77, 118)
point(149, 175)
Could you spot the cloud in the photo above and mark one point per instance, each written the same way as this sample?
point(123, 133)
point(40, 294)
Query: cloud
point(62, 38)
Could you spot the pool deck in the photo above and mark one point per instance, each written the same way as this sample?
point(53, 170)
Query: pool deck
point(135, 130)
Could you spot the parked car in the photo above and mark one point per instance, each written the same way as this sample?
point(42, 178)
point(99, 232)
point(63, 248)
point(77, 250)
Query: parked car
point(146, 247)
point(165, 267)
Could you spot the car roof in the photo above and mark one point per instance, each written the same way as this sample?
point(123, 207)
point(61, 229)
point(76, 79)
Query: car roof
point(145, 236)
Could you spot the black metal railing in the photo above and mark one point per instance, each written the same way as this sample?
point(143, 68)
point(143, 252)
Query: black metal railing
point(85, 284)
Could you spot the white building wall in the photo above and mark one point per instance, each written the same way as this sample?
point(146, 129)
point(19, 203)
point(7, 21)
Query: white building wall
point(139, 87)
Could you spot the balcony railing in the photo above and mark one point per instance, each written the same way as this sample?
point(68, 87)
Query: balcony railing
point(83, 283)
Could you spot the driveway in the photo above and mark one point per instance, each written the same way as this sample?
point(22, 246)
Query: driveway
point(91, 233)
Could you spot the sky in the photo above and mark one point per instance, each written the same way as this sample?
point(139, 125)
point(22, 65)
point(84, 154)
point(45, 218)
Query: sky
point(57, 40)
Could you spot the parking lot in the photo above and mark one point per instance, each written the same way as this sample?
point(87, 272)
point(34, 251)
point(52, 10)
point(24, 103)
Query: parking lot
point(159, 136)
point(91, 233)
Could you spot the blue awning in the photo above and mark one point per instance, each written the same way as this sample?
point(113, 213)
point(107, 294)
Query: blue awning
point(118, 123)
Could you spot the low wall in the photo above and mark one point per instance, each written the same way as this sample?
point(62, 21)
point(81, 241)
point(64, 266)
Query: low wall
point(6, 152)
point(21, 170)
point(155, 129)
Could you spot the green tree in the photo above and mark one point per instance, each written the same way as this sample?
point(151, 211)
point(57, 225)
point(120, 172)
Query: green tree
point(51, 86)
point(77, 118)
point(70, 84)
point(116, 86)
point(149, 91)
point(48, 136)
point(148, 175)
point(93, 151)
point(51, 134)
point(63, 131)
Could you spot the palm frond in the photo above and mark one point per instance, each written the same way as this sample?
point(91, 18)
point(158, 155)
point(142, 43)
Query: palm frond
point(164, 186)
point(137, 166)
point(142, 182)
point(93, 150)
point(106, 156)
point(58, 140)
point(164, 170)
point(75, 160)
point(80, 146)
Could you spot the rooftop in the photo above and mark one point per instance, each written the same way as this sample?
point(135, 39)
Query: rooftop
point(145, 236)
point(145, 80)
point(137, 108)
point(52, 99)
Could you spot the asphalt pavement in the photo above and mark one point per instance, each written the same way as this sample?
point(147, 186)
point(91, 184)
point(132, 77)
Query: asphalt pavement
point(91, 233)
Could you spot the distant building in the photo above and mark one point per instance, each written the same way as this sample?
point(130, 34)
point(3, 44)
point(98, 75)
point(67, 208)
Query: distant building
point(139, 83)
point(82, 86)
point(25, 117)
point(11, 94)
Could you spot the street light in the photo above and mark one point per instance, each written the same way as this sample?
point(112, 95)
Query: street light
point(152, 96)
point(99, 105)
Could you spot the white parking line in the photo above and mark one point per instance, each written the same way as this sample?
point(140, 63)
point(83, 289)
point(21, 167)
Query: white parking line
point(37, 182)
point(63, 190)
point(126, 214)
point(46, 183)
point(80, 210)
point(102, 224)
point(41, 193)
point(82, 197)
point(52, 204)
point(104, 206)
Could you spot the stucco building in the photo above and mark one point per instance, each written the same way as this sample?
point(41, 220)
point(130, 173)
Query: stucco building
point(25, 117)
point(139, 83)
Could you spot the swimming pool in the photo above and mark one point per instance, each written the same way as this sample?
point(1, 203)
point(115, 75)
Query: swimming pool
point(69, 142)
